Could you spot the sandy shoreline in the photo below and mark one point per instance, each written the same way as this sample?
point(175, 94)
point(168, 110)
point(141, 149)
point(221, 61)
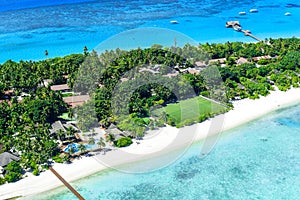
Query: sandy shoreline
point(158, 143)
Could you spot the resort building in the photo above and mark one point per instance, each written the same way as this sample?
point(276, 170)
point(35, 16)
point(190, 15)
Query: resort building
point(5, 159)
point(218, 60)
point(7, 94)
point(200, 64)
point(56, 126)
point(62, 88)
point(59, 126)
point(74, 101)
point(112, 129)
point(46, 82)
point(261, 57)
point(241, 61)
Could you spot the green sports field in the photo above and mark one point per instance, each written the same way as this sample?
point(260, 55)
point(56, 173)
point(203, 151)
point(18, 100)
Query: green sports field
point(191, 109)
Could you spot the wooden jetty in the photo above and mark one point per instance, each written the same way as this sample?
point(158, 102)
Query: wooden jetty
point(237, 26)
point(248, 33)
point(66, 183)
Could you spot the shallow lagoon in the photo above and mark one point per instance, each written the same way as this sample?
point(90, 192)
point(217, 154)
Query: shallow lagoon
point(259, 160)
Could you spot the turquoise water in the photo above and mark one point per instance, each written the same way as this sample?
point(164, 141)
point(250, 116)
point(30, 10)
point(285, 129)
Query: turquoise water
point(260, 160)
point(74, 146)
point(29, 27)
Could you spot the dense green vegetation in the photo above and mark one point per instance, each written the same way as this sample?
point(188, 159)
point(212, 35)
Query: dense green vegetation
point(26, 114)
point(14, 172)
point(247, 80)
point(123, 142)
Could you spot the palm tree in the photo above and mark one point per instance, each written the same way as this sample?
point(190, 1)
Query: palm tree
point(109, 137)
point(82, 148)
point(70, 113)
point(101, 143)
point(70, 131)
point(71, 150)
point(85, 50)
point(91, 141)
point(65, 158)
point(60, 133)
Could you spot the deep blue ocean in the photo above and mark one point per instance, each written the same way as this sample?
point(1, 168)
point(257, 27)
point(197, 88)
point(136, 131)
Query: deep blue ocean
point(29, 27)
point(259, 160)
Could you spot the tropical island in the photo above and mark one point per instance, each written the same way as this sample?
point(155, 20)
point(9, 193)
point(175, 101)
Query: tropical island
point(40, 99)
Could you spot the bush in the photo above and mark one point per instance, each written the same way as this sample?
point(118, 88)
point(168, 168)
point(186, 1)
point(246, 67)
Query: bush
point(33, 166)
point(263, 62)
point(202, 117)
point(14, 166)
point(171, 121)
point(36, 172)
point(2, 181)
point(57, 159)
point(205, 93)
point(189, 122)
point(160, 122)
point(45, 166)
point(123, 142)
point(13, 176)
point(14, 171)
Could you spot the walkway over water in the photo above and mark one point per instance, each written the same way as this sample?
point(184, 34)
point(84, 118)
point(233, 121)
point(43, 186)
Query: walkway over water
point(66, 183)
point(237, 27)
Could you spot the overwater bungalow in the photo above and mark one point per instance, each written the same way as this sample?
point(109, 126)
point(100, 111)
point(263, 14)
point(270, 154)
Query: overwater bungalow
point(230, 24)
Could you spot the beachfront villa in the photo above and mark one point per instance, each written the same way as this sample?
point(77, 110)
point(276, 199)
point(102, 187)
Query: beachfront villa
point(5, 159)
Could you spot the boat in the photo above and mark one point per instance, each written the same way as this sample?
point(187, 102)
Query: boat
point(242, 13)
point(174, 22)
point(253, 10)
point(287, 14)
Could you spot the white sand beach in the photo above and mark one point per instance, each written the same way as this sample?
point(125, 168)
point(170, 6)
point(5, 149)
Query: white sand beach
point(158, 143)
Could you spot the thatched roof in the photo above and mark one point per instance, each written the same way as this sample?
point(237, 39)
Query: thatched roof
point(6, 158)
point(56, 126)
point(71, 126)
point(112, 129)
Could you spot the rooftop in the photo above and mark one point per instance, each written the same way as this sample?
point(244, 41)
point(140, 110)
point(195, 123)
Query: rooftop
point(56, 126)
point(6, 158)
point(76, 100)
point(60, 87)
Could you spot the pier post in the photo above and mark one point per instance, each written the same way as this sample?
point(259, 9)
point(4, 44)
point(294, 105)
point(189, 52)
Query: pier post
point(66, 183)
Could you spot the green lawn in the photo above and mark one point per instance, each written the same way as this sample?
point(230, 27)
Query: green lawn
point(67, 94)
point(65, 117)
point(191, 109)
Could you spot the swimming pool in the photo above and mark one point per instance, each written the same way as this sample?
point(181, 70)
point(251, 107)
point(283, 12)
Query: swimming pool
point(74, 146)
